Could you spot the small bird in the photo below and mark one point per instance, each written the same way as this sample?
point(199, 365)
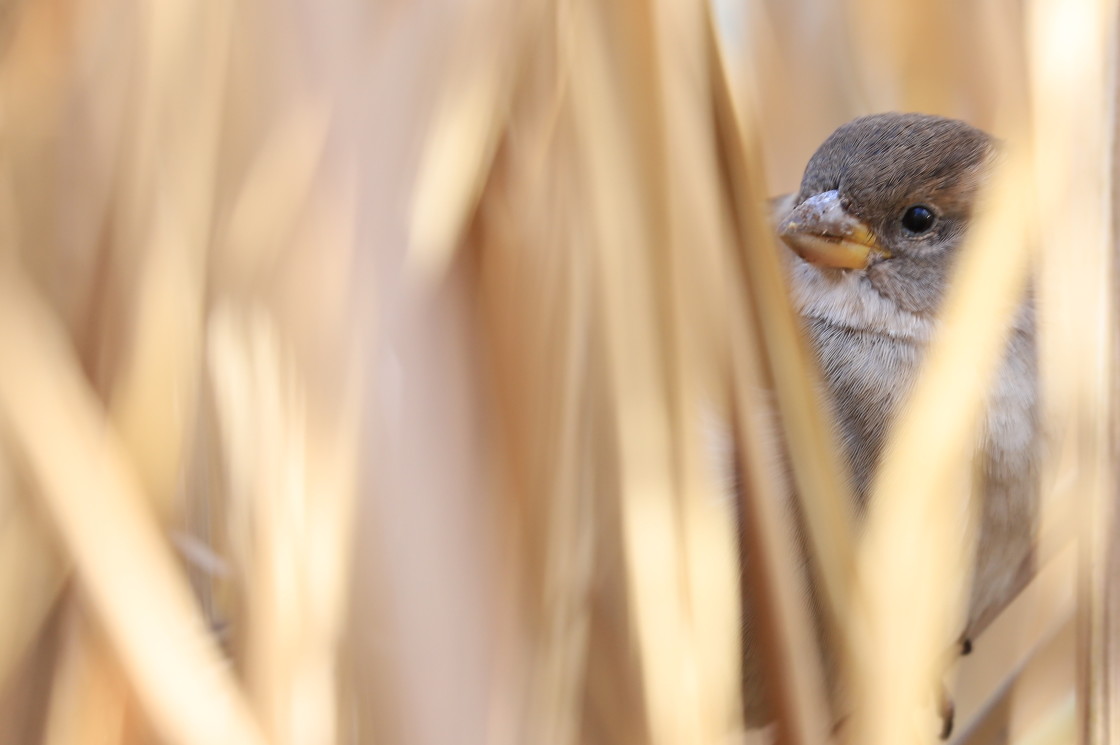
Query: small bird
point(879, 221)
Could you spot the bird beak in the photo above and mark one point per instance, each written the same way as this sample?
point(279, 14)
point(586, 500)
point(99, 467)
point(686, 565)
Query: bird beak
point(822, 232)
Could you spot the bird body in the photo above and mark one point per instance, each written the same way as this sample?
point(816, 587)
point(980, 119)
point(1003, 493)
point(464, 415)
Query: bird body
point(884, 206)
point(869, 364)
point(883, 210)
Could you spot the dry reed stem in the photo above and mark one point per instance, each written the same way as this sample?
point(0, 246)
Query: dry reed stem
point(1036, 697)
point(902, 670)
point(1013, 642)
point(815, 458)
point(436, 648)
point(813, 453)
point(1075, 130)
point(546, 528)
point(90, 700)
point(35, 67)
point(283, 354)
point(466, 128)
point(626, 164)
point(52, 417)
point(166, 221)
point(785, 633)
point(283, 380)
point(539, 362)
point(907, 574)
point(1058, 728)
point(695, 305)
point(293, 503)
point(267, 207)
point(796, 97)
point(532, 256)
point(614, 579)
point(791, 671)
point(31, 571)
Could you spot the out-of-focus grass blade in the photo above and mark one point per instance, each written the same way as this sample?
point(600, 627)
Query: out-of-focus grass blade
point(267, 207)
point(625, 177)
point(1032, 695)
point(281, 357)
point(89, 696)
point(694, 305)
point(782, 632)
point(289, 522)
point(1014, 641)
point(666, 510)
point(920, 497)
point(31, 570)
point(817, 467)
point(1058, 727)
point(97, 509)
point(540, 365)
point(1074, 98)
point(178, 114)
point(814, 457)
point(465, 131)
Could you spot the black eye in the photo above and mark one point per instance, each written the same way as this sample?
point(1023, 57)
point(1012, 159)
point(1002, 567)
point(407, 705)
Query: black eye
point(917, 219)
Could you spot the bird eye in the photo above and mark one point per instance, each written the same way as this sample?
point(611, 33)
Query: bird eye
point(917, 219)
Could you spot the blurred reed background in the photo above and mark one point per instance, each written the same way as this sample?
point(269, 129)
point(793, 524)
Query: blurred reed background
point(361, 360)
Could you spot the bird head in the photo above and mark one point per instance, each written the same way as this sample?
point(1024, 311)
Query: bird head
point(891, 196)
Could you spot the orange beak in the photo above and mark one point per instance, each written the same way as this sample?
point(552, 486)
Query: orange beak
point(822, 232)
